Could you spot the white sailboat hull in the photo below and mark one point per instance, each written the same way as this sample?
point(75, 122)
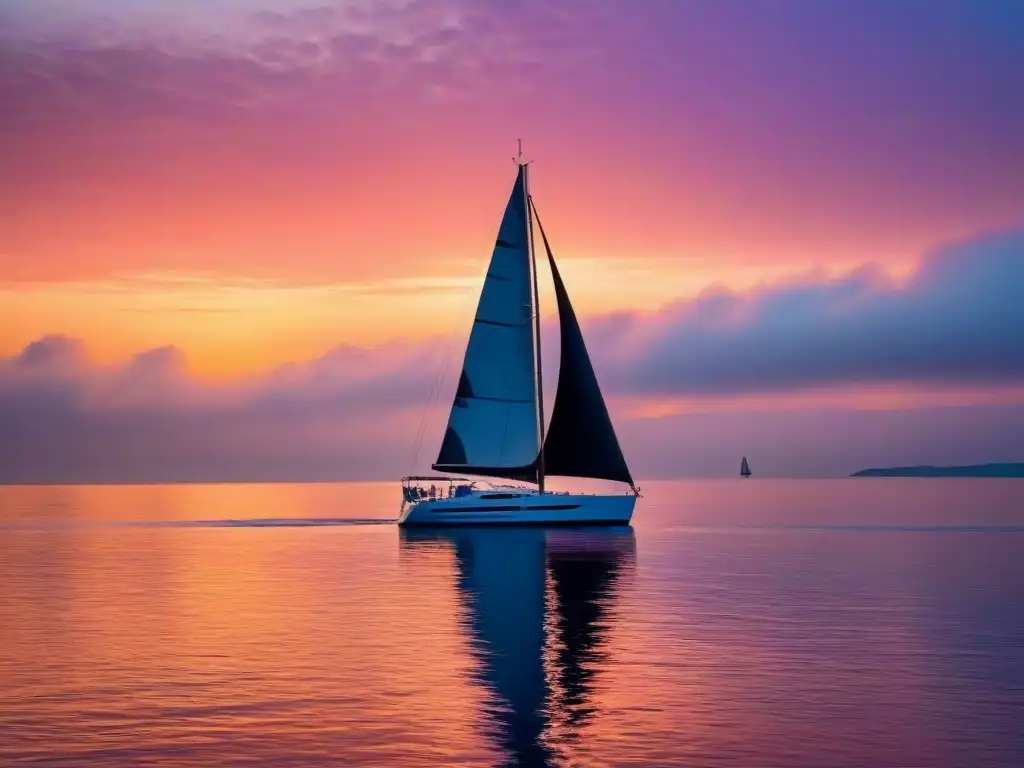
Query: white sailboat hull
point(521, 508)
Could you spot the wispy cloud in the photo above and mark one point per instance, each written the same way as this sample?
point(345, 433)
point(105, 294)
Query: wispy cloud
point(954, 322)
point(291, 137)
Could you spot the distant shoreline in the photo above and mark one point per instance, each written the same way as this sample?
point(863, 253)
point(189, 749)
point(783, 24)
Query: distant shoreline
point(1004, 470)
point(970, 470)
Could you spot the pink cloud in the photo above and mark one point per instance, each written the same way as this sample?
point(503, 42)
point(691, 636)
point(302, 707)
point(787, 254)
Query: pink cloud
point(291, 143)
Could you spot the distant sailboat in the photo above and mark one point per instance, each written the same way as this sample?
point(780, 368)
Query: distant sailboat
point(745, 468)
point(496, 425)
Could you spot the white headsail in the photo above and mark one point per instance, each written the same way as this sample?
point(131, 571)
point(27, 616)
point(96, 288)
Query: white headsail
point(493, 422)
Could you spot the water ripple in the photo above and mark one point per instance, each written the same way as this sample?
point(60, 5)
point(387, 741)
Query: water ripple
point(735, 624)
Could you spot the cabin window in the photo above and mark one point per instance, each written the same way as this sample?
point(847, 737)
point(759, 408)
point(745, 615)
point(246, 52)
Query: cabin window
point(502, 496)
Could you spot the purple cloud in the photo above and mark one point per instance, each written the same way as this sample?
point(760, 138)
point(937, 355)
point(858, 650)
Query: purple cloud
point(957, 321)
point(734, 128)
point(52, 351)
point(318, 59)
point(63, 419)
point(865, 75)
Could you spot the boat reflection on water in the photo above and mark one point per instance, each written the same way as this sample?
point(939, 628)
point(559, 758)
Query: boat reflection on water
point(536, 610)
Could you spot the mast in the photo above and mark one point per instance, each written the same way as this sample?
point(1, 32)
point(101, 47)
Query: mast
point(539, 379)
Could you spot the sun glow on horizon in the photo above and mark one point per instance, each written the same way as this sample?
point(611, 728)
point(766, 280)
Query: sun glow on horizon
point(235, 325)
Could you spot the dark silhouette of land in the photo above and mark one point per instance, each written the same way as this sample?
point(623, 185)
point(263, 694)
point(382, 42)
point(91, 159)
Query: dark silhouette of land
point(973, 470)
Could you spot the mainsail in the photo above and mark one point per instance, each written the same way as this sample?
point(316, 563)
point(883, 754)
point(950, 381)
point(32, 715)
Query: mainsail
point(581, 440)
point(493, 427)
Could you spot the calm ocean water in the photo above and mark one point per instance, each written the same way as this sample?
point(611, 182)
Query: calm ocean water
point(737, 623)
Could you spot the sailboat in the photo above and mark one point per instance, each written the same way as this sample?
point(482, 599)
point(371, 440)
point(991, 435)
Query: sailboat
point(496, 424)
point(745, 468)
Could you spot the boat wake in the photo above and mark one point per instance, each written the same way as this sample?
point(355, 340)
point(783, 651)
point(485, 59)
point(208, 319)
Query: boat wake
point(274, 522)
point(278, 522)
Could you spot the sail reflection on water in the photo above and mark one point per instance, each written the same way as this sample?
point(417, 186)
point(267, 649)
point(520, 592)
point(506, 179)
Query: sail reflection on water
point(536, 611)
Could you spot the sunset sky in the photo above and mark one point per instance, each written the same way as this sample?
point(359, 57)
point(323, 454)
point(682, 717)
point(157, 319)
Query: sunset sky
point(241, 238)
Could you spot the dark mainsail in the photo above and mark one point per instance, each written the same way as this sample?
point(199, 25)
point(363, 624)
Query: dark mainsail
point(581, 440)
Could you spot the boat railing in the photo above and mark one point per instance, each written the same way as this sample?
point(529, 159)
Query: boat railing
point(416, 488)
point(427, 487)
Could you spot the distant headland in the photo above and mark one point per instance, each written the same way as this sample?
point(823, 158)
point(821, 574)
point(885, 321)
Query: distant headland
point(973, 470)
